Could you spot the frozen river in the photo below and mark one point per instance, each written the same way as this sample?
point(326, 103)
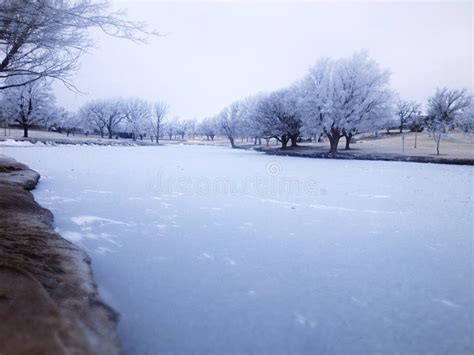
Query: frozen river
point(211, 250)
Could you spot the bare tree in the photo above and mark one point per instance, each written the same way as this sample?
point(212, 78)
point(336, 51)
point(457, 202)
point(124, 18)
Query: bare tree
point(103, 115)
point(181, 127)
point(406, 112)
point(156, 120)
point(191, 128)
point(65, 120)
point(230, 122)
point(447, 109)
point(209, 128)
point(170, 128)
point(29, 104)
point(137, 114)
point(46, 38)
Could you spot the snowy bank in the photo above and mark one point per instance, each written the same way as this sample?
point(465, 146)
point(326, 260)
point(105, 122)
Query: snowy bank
point(38, 142)
point(48, 299)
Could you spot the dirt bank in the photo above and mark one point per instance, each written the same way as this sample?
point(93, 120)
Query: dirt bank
point(48, 300)
point(305, 152)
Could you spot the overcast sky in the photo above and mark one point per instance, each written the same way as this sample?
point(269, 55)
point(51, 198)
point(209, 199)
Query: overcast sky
point(217, 52)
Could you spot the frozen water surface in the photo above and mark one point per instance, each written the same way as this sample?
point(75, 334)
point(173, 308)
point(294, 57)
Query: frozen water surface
point(212, 250)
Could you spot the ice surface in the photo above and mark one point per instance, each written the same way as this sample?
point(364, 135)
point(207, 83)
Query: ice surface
point(208, 250)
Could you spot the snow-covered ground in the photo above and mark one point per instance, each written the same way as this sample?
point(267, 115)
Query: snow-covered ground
point(212, 250)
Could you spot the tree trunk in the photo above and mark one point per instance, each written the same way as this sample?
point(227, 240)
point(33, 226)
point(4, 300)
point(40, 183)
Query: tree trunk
point(284, 142)
point(348, 141)
point(333, 141)
point(232, 144)
point(25, 131)
point(294, 140)
point(438, 141)
point(416, 134)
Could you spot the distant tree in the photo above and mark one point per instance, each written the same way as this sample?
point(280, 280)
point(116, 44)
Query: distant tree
point(406, 112)
point(230, 122)
point(466, 123)
point(103, 115)
point(209, 128)
point(191, 124)
point(170, 127)
point(181, 127)
point(156, 120)
point(45, 38)
point(65, 120)
point(447, 109)
point(248, 111)
point(29, 104)
point(137, 115)
point(416, 126)
point(276, 117)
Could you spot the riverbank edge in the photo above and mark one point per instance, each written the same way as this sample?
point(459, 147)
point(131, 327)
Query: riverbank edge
point(354, 155)
point(299, 151)
point(49, 302)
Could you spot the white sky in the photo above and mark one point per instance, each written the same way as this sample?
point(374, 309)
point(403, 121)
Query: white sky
point(217, 52)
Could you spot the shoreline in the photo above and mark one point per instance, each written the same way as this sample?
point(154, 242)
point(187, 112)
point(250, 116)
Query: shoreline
point(49, 302)
point(357, 155)
point(299, 151)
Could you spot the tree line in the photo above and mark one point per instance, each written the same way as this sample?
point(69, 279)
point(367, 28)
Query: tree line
point(43, 40)
point(342, 98)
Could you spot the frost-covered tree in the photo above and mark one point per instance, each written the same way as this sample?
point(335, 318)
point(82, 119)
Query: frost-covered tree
point(209, 128)
point(191, 128)
point(103, 115)
point(45, 38)
point(447, 109)
point(230, 122)
point(276, 116)
point(406, 112)
point(137, 116)
point(65, 120)
point(156, 119)
point(181, 128)
point(29, 104)
point(466, 123)
point(345, 96)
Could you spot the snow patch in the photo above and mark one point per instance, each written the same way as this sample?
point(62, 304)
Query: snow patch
point(87, 220)
point(14, 143)
point(96, 192)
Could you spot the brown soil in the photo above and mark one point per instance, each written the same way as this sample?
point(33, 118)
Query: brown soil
point(48, 300)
